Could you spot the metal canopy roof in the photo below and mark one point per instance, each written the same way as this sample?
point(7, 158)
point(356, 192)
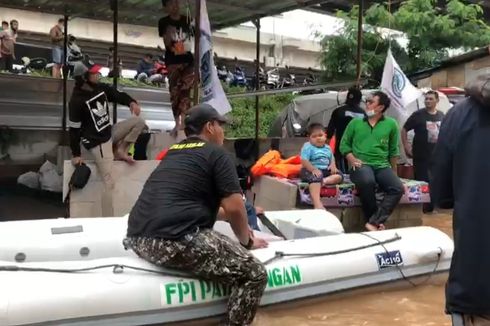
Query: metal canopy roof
point(223, 13)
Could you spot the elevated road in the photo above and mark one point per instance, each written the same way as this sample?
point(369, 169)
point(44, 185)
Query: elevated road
point(36, 103)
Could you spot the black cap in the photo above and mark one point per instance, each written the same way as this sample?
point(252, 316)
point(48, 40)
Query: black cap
point(354, 95)
point(199, 115)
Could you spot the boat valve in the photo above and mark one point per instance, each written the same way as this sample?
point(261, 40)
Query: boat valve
point(118, 269)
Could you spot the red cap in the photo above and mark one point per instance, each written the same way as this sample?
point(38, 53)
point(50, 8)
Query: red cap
point(95, 69)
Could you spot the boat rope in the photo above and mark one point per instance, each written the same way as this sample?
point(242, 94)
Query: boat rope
point(119, 268)
point(116, 269)
point(281, 254)
point(406, 278)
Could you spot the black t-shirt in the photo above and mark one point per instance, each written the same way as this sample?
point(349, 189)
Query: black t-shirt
point(339, 120)
point(179, 32)
point(426, 127)
point(184, 192)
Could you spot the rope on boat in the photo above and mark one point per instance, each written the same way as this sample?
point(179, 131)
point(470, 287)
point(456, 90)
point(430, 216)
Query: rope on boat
point(281, 254)
point(119, 268)
point(406, 278)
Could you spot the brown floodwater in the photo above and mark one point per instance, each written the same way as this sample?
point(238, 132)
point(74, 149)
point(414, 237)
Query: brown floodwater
point(401, 305)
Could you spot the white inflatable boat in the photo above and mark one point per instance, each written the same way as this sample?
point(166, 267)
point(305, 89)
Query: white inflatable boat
point(76, 271)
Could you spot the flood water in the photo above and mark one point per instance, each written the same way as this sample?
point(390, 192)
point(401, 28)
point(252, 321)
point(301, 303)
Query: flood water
point(405, 305)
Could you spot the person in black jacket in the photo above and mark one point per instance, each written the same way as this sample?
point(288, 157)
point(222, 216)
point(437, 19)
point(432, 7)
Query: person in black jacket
point(90, 124)
point(339, 120)
point(460, 175)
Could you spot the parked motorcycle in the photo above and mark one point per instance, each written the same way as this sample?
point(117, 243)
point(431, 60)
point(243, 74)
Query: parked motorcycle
point(273, 78)
point(239, 78)
point(289, 80)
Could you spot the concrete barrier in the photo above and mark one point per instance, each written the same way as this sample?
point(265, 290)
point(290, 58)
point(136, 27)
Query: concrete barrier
point(278, 194)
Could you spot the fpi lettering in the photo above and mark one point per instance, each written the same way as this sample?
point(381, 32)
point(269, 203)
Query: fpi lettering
point(194, 291)
point(198, 291)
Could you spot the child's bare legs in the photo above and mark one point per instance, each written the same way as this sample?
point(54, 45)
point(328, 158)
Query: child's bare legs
point(315, 195)
point(333, 179)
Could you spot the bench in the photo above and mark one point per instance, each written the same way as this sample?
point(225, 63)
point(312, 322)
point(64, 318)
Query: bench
point(273, 193)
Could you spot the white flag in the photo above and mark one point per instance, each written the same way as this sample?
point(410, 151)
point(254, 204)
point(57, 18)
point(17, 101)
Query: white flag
point(397, 85)
point(212, 90)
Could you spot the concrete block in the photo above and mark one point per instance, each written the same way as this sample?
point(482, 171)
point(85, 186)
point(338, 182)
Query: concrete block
point(274, 194)
point(352, 219)
point(410, 212)
point(160, 141)
point(410, 223)
point(337, 212)
point(85, 209)
point(129, 181)
point(392, 223)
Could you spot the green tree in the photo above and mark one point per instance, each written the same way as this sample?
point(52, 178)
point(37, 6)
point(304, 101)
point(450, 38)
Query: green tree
point(431, 32)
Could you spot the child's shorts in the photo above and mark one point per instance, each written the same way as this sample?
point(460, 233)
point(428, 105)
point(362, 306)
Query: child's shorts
point(307, 176)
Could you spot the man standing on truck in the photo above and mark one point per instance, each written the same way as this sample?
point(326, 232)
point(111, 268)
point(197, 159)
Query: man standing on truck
point(175, 29)
point(339, 120)
point(426, 124)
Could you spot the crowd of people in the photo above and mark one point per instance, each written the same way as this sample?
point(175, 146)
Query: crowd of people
point(196, 182)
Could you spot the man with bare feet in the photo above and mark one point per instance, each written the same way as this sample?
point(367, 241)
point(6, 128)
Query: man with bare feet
point(90, 124)
point(176, 31)
point(371, 148)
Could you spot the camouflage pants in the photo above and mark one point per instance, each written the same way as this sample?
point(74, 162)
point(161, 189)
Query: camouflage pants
point(181, 80)
point(212, 256)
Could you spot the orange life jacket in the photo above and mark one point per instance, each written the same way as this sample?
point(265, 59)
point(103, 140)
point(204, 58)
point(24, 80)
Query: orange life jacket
point(271, 163)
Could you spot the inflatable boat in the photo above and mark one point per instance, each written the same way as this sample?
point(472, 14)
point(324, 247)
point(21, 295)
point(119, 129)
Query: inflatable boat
point(77, 272)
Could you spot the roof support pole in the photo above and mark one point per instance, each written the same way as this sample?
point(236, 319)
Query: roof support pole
point(197, 55)
point(115, 22)
point(359, 41)
point(257, 85)
point(65, 79)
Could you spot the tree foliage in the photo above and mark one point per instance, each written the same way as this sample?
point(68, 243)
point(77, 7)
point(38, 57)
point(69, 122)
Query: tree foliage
point(431, 32)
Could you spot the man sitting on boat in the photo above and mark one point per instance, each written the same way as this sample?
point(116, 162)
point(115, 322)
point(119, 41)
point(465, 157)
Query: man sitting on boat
point(171, 223)
point(371, 148)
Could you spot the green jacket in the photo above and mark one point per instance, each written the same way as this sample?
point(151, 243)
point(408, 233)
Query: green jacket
point(374, 146)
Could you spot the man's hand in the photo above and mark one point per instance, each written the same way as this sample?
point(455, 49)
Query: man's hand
point(259, 210)
point(259, 243)
point(354, 162)
point(317, 173)
point(135, 108)
point(77, 160)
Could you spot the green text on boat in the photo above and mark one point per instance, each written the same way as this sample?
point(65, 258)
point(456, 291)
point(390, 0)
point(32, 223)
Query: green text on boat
point(198, 291)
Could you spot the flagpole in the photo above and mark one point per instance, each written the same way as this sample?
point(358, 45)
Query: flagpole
point(359, 41)
point(197, 55)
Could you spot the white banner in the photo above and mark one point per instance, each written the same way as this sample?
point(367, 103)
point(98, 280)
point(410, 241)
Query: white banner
point(212, 90)
point(398, 86)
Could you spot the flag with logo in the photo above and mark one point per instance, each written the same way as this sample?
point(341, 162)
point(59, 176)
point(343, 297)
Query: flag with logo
point(212, 90)
point(398, 86)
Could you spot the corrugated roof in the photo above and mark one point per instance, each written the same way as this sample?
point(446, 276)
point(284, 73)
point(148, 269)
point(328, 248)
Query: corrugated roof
point(147, 12)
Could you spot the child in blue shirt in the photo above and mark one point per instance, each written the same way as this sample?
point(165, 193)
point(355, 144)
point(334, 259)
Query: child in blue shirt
point(318, 164)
